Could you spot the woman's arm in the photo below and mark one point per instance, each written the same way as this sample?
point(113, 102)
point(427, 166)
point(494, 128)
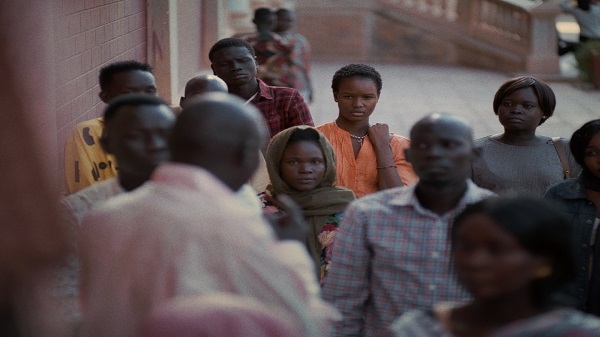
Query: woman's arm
point(380, 137)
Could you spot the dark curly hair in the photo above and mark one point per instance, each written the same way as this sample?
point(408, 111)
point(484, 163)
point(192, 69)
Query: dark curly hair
point(229, 42)
point(358, 70)
point(106, 73)
point(136, 99)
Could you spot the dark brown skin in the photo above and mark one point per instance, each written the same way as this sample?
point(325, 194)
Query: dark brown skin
point(357, 98)
point(441, 153)
point(237, 67)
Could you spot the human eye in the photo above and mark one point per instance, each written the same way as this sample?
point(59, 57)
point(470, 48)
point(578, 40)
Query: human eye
point(451, 144)
point(591, 152)
point(506, 103)
point(348, 96)
point(421, 146)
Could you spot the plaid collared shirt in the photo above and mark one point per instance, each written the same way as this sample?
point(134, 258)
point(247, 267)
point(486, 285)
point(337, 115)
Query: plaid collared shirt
point(392, 255)
point(281, 107)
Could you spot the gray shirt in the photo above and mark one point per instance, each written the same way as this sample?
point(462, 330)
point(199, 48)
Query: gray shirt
point(510, 169)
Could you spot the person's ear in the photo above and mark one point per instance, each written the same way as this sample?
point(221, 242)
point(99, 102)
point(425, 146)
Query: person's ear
point(213, 69)
point(103, 96)
point(104, 142)
point(335, 96)
point(181, 100)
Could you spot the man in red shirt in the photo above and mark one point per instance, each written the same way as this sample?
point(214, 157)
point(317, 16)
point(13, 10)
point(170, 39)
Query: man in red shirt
point(234, 61)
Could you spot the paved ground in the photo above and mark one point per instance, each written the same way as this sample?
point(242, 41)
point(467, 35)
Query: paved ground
point(412, 91)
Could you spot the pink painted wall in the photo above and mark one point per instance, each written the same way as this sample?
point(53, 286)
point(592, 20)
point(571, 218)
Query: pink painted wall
point(88, 35)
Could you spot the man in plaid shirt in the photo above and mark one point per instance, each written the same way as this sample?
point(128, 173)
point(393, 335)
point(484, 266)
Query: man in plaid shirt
point(392, 251)
point(234, 61)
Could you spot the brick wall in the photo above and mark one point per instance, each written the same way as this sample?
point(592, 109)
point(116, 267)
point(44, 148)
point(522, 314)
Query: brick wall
point(89, 34)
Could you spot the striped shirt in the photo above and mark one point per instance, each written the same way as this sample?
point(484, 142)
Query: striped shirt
point(282, 108)
point(392, 255)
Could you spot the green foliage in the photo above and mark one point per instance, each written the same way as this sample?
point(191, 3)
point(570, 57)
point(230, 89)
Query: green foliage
point(583, 55)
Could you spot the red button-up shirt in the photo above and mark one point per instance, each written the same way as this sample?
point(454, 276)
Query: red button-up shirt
point(281, 107)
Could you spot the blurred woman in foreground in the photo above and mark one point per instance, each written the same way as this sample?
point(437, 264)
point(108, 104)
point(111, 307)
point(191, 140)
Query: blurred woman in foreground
point(512, 256)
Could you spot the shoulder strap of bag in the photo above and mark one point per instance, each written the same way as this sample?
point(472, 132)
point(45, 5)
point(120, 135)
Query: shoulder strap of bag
point(562, 155)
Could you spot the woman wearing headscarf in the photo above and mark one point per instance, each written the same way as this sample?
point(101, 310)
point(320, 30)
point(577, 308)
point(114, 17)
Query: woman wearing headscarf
point(301, 164)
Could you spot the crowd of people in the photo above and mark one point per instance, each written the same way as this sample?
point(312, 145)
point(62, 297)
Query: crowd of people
point(234, 215)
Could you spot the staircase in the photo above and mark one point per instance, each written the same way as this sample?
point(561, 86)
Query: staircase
point(517, 37)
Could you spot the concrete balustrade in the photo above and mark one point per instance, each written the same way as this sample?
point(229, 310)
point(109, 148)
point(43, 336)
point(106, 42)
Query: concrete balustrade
point(509, 36)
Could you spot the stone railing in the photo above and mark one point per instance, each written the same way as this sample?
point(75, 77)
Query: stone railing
point(517, 36)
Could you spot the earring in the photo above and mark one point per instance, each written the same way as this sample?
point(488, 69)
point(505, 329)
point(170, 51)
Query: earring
point(543, 272)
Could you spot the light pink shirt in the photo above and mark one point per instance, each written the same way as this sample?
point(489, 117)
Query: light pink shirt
point(186, 233)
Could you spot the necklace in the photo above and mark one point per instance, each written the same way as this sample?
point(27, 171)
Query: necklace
point(359, 139)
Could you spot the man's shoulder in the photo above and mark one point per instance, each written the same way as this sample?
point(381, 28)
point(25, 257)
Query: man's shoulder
point(278, 95)
point(123, 205)
point(385, 198)
point(91, 123)
point(476, 193)
point(92, 195)
point(283, 91)
point(92, 127)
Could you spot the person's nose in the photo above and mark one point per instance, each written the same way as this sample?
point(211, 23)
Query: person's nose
point(517, 109)
point(357, 102)
point(434, 151)
point(156, 142)
point(307, 168)
point(235, 66)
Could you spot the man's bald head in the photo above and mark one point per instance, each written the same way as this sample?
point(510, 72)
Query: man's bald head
point(222, 135)
point(442, 149)
point(459, 125)
point(200, 85)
